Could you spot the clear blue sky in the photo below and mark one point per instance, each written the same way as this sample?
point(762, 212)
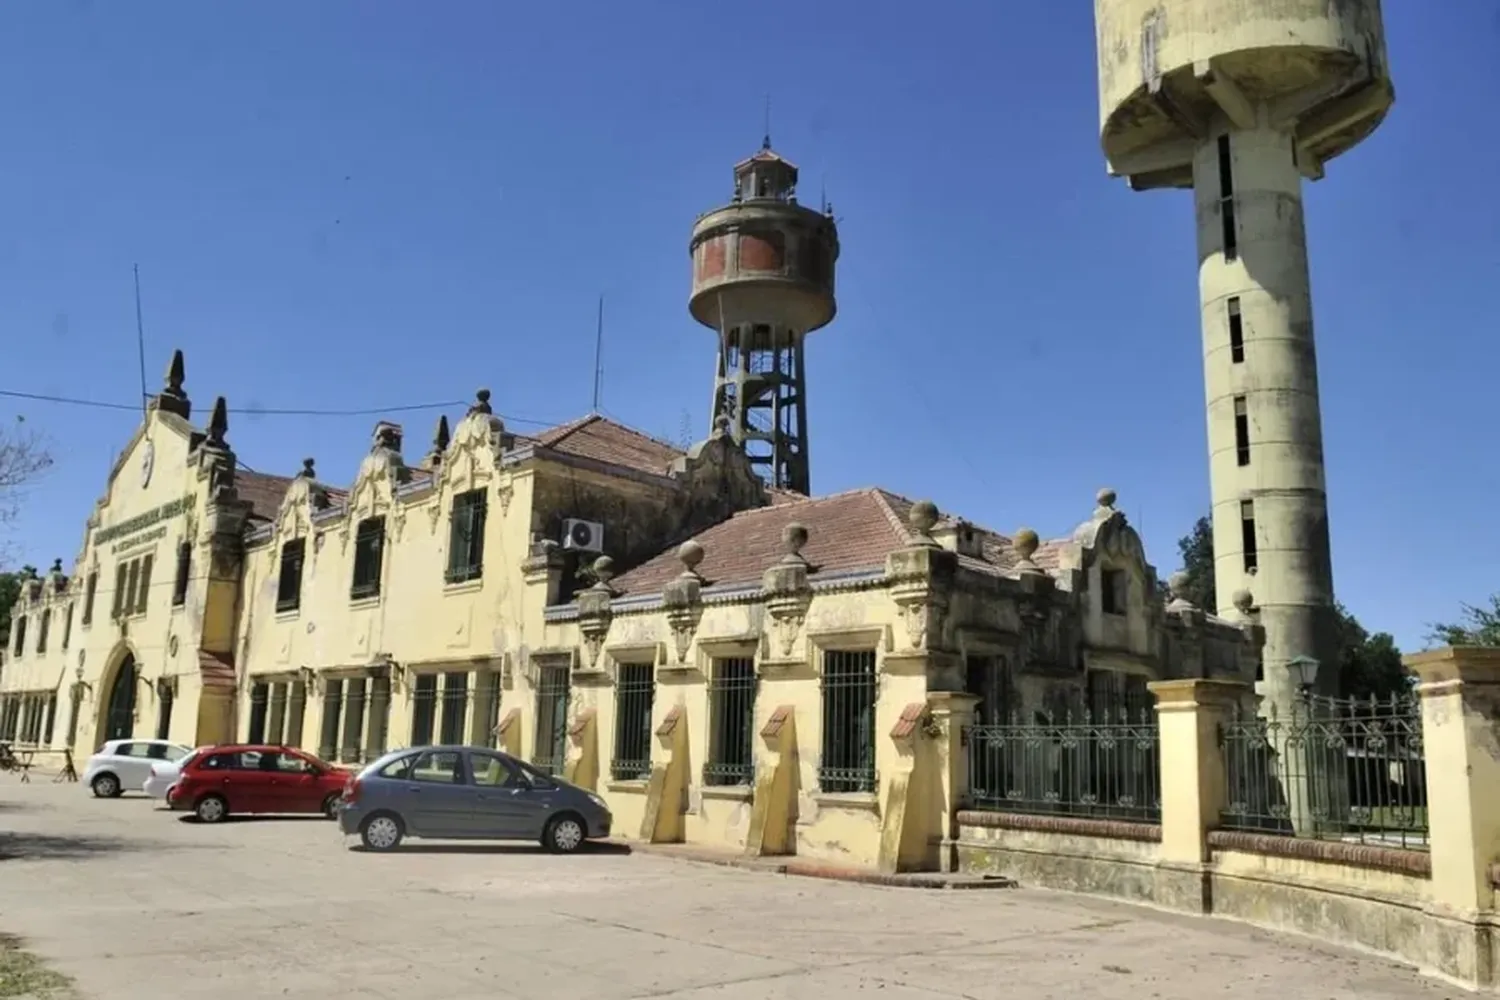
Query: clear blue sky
point(356, 205)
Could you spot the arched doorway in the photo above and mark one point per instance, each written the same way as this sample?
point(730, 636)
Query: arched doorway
point(119, 714)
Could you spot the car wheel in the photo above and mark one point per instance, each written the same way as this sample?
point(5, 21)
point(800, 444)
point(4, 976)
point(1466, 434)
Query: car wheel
point(564, 834)
point(381, 832)
point(331, 806)
point(211, 809)
point(106, 786)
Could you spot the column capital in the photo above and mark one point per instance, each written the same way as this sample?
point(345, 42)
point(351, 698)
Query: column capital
point(1478, 665)
point(1190, 691)
point(951, 702)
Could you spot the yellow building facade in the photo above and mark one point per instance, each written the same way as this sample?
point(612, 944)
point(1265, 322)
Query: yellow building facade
point(728, 665)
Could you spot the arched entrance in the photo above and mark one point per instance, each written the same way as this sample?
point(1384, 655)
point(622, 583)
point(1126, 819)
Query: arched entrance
point(119, 712)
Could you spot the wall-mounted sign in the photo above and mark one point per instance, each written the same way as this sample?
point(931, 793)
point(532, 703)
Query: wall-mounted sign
point(141, 522)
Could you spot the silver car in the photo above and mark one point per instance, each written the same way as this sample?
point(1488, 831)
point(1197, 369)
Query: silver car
point(467, 793)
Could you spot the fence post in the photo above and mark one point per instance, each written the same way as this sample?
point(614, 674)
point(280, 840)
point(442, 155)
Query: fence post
point(953, 713)
point(1193, 786)
point(1460, 691)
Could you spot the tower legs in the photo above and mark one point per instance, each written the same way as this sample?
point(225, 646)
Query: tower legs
point(760, 393)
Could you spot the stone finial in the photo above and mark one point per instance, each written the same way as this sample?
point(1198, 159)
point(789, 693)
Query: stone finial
point(441, 436)
point(690, 554)
point(604, 571)
point(56, 566)
point(721, 425)
point(1177, 585)
point(1025, 544)
point(1106, 500)
point(176, 374)
point(218, 423)
point(1244, 602)
point(922, 519)
point(388, 436)
point(793, 538)
point(308, 470)
point(481, 402)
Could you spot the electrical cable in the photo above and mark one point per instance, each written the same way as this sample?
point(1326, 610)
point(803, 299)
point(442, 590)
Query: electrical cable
point(266, 411)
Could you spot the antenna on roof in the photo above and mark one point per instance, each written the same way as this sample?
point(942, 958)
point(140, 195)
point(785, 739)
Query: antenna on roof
point(598, 352)
point(765, 142)
point(140, 339)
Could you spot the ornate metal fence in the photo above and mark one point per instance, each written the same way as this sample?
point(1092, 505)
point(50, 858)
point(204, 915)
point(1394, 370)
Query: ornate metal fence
point(1103, 765)
point(1332, 768)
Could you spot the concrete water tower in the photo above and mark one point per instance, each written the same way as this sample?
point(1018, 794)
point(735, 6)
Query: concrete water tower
point(762, 280)
point(1240, 100)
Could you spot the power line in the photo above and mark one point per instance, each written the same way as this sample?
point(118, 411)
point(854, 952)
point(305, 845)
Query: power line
point(267, 411)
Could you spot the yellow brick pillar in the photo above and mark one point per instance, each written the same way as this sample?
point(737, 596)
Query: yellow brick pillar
point(1189, 715)
point(952, 713)
point(1460, 691)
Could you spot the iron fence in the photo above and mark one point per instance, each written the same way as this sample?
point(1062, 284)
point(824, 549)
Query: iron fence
point(1349, 769)
point(850, 691)
point(1069, 763)
point(731, 706)
point(550, 752)
point(635, 690)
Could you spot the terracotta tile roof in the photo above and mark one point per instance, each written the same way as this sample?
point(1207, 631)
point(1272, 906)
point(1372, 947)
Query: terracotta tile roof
point(604, 440)
point(845, 531)
point(262, 492)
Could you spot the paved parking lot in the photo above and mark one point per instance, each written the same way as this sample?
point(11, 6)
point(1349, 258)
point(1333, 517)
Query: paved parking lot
point(134, 902)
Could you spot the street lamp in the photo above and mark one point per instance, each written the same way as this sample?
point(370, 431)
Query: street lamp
point(1304, 672)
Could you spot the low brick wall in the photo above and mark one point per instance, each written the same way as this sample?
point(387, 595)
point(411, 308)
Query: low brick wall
point(1354, 894)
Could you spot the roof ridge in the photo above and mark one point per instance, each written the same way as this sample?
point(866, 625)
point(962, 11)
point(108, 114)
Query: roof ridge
point(641, 434)
point(883, 498)
point(797, 499)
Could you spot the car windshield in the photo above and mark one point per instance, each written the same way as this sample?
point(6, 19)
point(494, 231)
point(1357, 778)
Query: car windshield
point(178, 755)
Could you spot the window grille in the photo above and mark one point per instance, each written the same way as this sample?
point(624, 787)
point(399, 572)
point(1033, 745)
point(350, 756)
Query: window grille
point(258, 697)
point(550, 752)
point(455, 706)
point(849, 696)
point(466, 537)
point(635, 690)
point(731, 700)
point(369, 544)
point(423, 709)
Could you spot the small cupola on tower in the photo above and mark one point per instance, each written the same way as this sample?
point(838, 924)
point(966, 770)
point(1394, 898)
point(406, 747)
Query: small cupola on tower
point(766, 176)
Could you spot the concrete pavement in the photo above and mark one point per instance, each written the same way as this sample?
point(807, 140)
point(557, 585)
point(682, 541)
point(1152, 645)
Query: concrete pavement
point(132, 902)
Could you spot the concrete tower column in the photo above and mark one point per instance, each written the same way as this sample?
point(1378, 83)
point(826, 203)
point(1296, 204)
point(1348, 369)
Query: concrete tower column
point(1265, 435)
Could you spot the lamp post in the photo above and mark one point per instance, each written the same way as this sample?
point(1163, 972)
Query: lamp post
point(1304, 673)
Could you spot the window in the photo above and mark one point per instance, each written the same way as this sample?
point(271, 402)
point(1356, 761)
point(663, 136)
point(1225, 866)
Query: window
point(1241, 432)
point(1114, 696)
point(1236, 331)
point(1114, 593)
point(848, 761)
point(51, 717)
point(219, 762)
point(1247, 534)
point(44, 625)
point(423, 709)
point(466, 537)
point(550, 752)
point(121, 574)
point(184, 571)
point(289, 582)
point(490, 771)
point(455, 706)
point(143, 591)
point(333, 702)
point(20, 644)
point(132, 580)
point(1226, 200)
point(91, 587)
point(399, 769)
point(289, 763)
point(439, 766)
point(486, 709)
point(68, 626)
point(731, 711)
point(988, 679)
point(164, 713)
point(369, 540)
point(259, 693)
point(351, 747)
point(296, 708)
point(635, 690)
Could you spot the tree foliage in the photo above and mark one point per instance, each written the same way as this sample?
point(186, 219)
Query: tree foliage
point(1476, 626)
point(23, 457)
point(1369, 663)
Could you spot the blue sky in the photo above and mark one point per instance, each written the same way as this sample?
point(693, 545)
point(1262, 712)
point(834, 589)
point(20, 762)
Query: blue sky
point(361, 205)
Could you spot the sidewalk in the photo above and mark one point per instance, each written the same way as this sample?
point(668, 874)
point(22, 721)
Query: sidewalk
point(810, 868)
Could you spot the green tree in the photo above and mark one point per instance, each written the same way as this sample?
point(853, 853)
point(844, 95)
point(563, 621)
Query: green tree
point(1369, 663)
point(1476, 626)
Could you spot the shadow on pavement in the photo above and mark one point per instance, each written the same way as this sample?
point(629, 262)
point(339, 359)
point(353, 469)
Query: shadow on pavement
point(55, 847)
point(193, 820)
point(491, 848)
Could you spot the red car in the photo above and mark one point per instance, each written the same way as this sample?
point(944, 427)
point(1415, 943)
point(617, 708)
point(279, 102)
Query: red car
point(247, 778)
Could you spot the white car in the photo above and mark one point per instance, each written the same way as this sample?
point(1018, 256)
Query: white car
point(122, 764)
point(164, 774)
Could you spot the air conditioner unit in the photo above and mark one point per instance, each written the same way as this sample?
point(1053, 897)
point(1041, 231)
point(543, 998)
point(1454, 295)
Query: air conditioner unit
point(584, 536)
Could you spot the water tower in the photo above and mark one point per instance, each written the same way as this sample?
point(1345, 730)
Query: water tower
point(763, 280)
point(1240, 100)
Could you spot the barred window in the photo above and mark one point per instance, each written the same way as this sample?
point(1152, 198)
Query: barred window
point(258, 699)
point(849, 694)
point(68, 626)
point(164, 714)
point(132, 580)
point(550, 751)
point(91, 587)
point(369, 544)
point(143, 593)
point(486, 709)
point(635, 690)
point(289, 580)
point(455, 706)
point(988, 679)
point(423, 709)
point(351, 746)
point(466, 537)
point(44, 625)
point(122, 571)
point(51, 718)
point(184, 571)
point(333, 701)
point(731, 711)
